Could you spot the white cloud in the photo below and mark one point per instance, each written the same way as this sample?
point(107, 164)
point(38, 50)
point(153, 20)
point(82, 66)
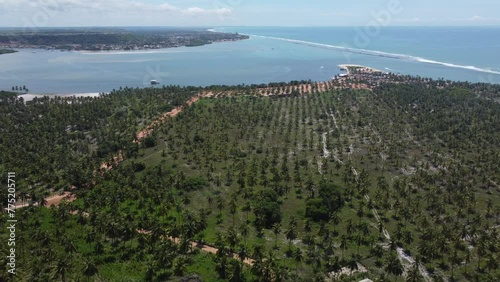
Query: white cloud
point(480, 19)
point(408, 20)
point(474, 20)
point(103, 6)
point(195, 11)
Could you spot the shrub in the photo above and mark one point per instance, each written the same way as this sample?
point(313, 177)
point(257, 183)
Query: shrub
point(149, 141)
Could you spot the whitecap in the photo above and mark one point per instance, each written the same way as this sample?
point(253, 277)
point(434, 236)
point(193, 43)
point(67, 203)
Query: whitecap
point(380, 54)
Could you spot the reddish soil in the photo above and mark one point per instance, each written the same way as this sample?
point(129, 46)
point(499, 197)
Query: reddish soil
point(113, 162)
point(54, 200)
point(202, 247)
point(164, 117)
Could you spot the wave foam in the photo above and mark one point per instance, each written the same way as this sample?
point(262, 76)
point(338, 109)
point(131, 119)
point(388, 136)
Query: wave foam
point(380, 54)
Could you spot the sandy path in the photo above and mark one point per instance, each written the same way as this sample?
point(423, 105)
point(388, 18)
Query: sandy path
point(202, 247)
point(54, 200)
point(107, 165)
point(115, 161)
point(69, 196)
point(164, 117)
point(406, 261)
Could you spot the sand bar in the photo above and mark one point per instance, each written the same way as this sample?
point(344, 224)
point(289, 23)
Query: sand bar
point(346, 67)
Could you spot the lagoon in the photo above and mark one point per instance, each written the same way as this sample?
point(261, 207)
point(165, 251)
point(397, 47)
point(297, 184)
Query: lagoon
point(270, 55)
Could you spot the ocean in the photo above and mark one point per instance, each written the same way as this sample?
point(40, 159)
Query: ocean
point(272, 54)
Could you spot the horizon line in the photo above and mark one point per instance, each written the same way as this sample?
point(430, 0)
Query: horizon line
point(219, 26)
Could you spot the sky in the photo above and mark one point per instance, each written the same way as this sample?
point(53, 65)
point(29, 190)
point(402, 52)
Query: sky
point(213, 13)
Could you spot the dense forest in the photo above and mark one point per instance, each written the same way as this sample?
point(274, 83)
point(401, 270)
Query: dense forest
point(397, 182)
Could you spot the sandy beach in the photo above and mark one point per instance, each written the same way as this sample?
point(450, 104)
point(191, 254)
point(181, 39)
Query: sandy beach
point(29, 97)
point(347, 68)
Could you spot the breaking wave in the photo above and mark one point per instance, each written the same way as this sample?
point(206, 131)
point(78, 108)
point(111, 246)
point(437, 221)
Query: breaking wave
point(380, 54)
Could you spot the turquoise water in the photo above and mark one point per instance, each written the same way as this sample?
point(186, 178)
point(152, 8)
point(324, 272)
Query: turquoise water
point(272, 54)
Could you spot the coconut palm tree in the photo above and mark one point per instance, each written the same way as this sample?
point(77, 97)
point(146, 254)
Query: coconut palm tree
point(258, 252)
point(276, 230)
point(236, 274)
point(344, 243)
point(414, 274)
point(61, 268)
point(180, 265)
point(298, 256)
point(89, 269)
point(393, 265)
point(491, 262)
point(291, 232)
point(242, 253)
point(232, 207)
point(219, 203)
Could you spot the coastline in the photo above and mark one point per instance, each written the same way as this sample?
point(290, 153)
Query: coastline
point(13, 48)
point(29, 97)
point(7, 51)
point(347, 68)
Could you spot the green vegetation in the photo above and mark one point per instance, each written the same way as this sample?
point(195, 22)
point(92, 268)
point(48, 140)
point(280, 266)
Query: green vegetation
point(56, 143)
point(6, 94)
point(304, 185)
point(20, 89)
point(7, 51)
point(97, 39)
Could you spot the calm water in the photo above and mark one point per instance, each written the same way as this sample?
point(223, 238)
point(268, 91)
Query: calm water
point(272, 54)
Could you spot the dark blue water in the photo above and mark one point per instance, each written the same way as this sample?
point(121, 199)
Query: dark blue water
point(273, 54)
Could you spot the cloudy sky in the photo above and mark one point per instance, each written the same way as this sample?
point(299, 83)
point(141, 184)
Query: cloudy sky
point(47, 13)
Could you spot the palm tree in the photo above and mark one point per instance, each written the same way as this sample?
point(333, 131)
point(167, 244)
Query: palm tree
point(335, 220)
point(276, 230)
point(220, 203)
point(258, 252)
point(236, 274)
point(333, 264)
point(246, 208)
point(480, 251)
point(360, 238)
point(210, 201)
point(291, 232)
point(350, 227)
point(222, 266)
point(180, 265)
point(150, 272)
point(89, 269)
point(232, 238)
point(307, 226)
point(245, 231)
point(491, 262)
point(343, 244)
point(393, 265)
point(352, 264)
point(23, 195)
point(414, 274)
point(242, 253)
point(62, 266)
point(232, 207)
point(43, 201)
point(297, 255)
point(69, 248)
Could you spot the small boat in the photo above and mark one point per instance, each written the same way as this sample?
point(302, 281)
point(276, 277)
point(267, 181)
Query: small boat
point(153, 82)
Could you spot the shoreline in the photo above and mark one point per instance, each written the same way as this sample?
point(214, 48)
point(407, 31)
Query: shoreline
point(347, 67)
point(17, 48)
point(29, 96)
